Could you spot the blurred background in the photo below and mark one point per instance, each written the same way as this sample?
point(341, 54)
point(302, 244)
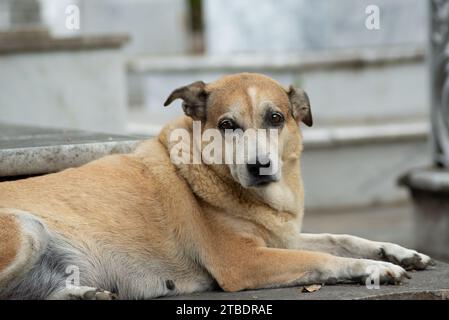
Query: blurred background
point(108, 65)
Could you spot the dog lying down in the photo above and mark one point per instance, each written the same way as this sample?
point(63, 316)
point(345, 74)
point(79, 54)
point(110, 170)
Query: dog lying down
point(163, 221)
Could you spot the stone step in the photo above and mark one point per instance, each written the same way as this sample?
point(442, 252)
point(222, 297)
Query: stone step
point(31, 150)
point(344, 85)
point(431, 284)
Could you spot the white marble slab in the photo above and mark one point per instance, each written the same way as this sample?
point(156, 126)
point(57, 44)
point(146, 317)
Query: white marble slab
point(30, 150)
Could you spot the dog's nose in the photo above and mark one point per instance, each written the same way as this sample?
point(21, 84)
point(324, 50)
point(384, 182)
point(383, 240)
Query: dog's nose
point(254, 169)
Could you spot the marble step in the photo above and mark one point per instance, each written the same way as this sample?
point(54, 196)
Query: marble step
point(344, 85)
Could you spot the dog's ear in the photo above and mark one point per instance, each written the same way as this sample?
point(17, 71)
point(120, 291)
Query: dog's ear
point(194, 98)
point(300, 105)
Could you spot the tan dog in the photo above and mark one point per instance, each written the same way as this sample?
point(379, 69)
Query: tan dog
point(139, 226)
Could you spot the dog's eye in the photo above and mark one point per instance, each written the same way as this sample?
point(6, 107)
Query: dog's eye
point(227, 124)
point(277, 118)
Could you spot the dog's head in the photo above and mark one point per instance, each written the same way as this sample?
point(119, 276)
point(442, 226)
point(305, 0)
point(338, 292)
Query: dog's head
point(238, 104)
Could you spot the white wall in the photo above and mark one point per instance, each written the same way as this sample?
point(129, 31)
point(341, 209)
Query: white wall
point(155, 26)
point(81, 90)
point(292, 25)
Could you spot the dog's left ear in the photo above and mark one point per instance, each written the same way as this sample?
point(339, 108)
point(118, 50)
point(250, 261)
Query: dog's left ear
point(194, 98)
point(300, 105)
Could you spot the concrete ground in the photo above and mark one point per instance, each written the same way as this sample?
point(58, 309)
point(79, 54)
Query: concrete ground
point(432, 284)
point(387, 223)
point(393, 224)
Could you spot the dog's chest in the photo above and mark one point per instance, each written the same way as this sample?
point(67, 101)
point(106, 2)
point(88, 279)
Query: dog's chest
point(283, 234)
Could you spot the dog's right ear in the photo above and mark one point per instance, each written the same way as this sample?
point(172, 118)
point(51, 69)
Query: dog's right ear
point(194, 98)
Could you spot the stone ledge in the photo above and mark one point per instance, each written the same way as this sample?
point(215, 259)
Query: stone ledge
point(425, 285)
point(428, 179)
point(329, 59)
point(25, 41)
point(29, 150)
point(342, 135)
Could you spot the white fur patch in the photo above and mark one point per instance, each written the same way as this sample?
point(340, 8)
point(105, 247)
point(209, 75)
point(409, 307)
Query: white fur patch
point(252, 93)
point(278, 196)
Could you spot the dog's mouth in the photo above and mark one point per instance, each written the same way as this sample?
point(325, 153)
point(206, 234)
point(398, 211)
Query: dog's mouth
point(262, 182)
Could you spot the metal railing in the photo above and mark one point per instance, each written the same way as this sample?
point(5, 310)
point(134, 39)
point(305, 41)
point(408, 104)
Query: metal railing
point(439, 48)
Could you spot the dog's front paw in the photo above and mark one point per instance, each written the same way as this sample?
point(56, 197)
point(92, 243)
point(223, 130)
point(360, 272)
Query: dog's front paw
point(384, 272)
point(409, 259)
point(388, 273)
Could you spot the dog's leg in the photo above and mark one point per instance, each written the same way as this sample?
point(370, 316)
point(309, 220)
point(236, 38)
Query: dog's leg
point(27, 270)
point(82, 293)
point(239, 263)
point(355, 247)
point(256, 268)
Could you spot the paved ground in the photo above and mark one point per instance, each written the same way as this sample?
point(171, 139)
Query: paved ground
point(387, 224)
point(393, 223)
point(428, 284)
